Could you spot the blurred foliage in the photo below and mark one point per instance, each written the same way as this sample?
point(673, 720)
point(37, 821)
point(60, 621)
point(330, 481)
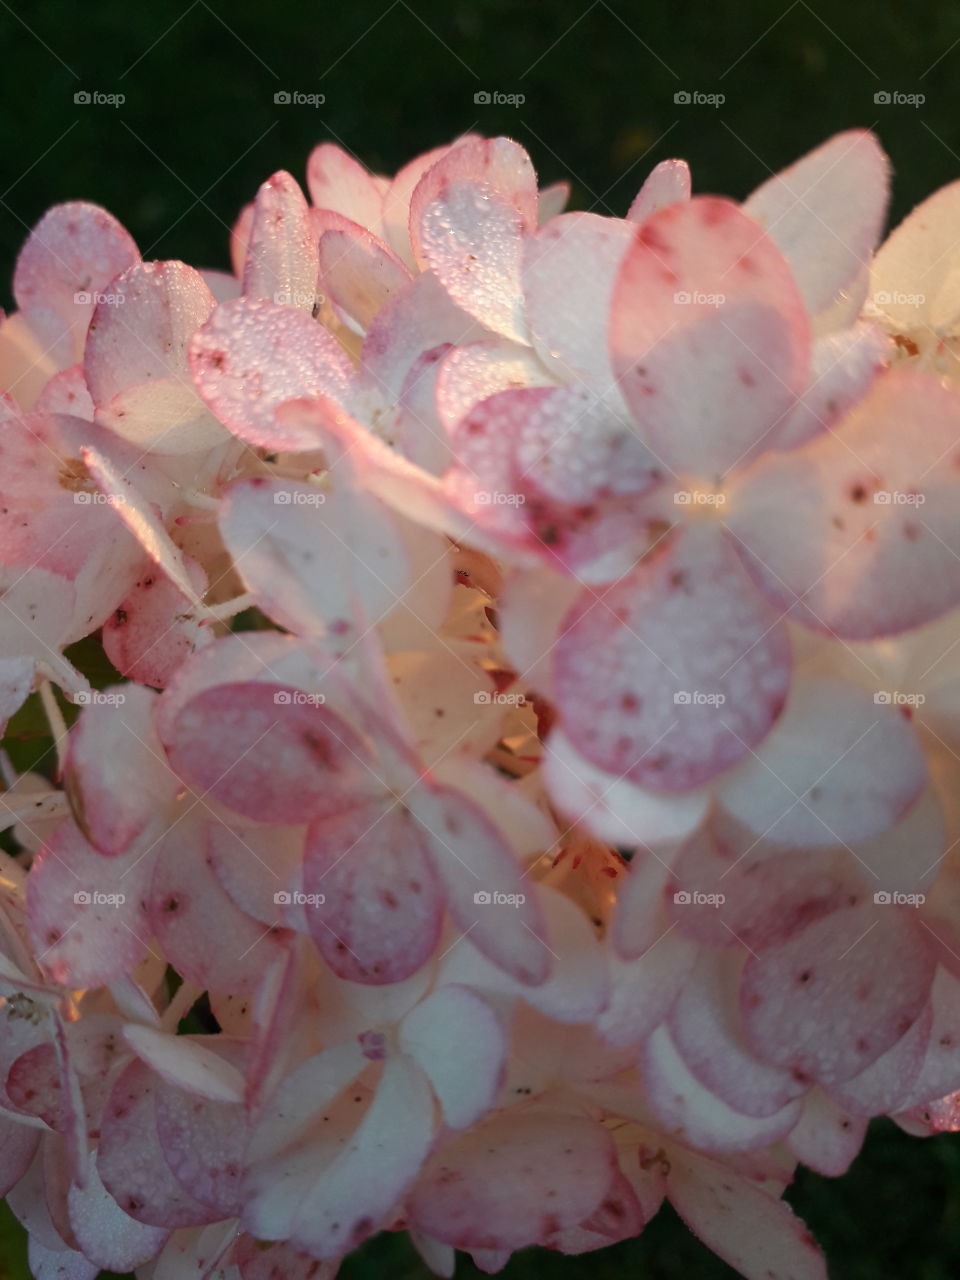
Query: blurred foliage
point(199, 129)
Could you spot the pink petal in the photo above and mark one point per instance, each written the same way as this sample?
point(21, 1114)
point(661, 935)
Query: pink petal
point(644, 990)
point(706, 1028)
point(115, 772)
point(67, 393)
point(827, 1138)
point(87, 920)
point(472, 371)
point(204, 936)
point(71, 256)
point(844, 367)
point(938, 1074)
point(465, 1071)
point(18, 1147)
point(676, 671)
point(686, 1110)
point(612, 808)
point(826, 213)
point(715, 1203)
point(252, 355)
point(467, 218)
point(135, 361)
point(57, 1264)
point(268, 753)
point(358, 274)
point(259, 1260)
point(284, 535)
point(396, 202)
point(351, 1196)
point(473, 857)
point(382, 902)
point(204, 1143)
point(913, 278)
point(186, 1064)
point(668, 183)
point(708, 335)
point(551, 201)
point(838, 768)
point(281, 257)
point(866, 503)
point(131, 1161)
point(155, 628)
point(569, 272)
point(106, 1235)
point(515, 1180)
point(338, 182)
point(838, 994)
point(878, 1089)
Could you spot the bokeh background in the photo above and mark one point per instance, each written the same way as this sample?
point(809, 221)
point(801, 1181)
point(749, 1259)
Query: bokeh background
point(609, 87)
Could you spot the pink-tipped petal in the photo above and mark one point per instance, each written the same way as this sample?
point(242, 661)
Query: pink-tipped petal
point(668, 183)
point(253, 355)
point(71, 256)
point(708, 335)
point(675, 672)
point(826, 213)
point(281, 258)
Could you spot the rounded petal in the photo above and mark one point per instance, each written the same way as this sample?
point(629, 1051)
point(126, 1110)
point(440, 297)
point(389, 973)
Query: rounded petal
point(675, 672)
point(709, 337)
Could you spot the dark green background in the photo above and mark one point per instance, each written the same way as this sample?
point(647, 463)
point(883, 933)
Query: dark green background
point(199, 130)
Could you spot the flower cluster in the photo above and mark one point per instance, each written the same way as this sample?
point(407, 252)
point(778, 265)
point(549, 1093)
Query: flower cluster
point(529, 789)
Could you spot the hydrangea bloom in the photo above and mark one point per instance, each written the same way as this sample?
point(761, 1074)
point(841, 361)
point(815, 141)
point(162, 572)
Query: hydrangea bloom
point(575, 827)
